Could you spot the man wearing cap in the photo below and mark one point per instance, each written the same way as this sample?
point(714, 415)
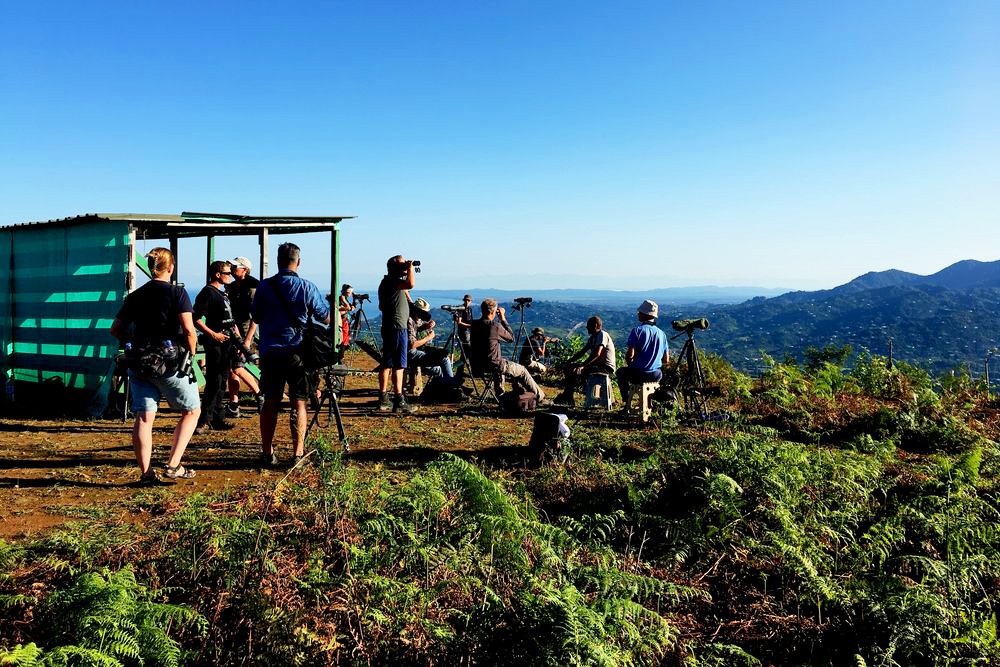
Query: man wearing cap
point(420, 331)
point(600, 360)
point(647, 351)
point(394, 302)
point(241, 291)
point(533, 350)
point(464, 321)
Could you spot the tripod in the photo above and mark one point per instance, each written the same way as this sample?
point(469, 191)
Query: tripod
point(522, 331)
point(454, 342)
point(691, 381)
point(360, 319)
point(333, 380)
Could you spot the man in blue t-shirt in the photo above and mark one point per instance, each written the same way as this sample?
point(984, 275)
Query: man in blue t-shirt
point(647, 351)
point(281, 307)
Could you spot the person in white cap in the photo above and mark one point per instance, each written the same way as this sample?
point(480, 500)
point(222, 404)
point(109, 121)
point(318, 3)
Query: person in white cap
point(241, 291)
point(647, 351)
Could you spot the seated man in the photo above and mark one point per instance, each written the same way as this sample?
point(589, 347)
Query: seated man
point(487, 332)
point(434, 361)
point(647, 351)
point(533, 350)
point(600, 361)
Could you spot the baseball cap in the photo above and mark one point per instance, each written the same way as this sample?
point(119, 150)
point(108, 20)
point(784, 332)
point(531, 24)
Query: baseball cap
point(242, 263)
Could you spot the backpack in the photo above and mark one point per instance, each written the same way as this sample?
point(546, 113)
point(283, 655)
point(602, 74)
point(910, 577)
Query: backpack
point(517, 404)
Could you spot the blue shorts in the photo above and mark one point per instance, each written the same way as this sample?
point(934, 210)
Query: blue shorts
point(180, 393)
point(395, 348)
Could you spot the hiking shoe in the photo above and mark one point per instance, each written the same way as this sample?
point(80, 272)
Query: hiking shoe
point(403, 407)
point(269, 460)
point(259, 398)
point(232, 410)
point(202, 429)
point(222, 425)
point(385, 403)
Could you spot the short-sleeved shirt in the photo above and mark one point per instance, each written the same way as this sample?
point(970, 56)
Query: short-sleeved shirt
point(154, 312)
point(278, 297)
point(466, 317)
point(241, 293)
point(603, 338)
point(531, 349)
point(650, 345)
point(213, 305)
point(393, 303)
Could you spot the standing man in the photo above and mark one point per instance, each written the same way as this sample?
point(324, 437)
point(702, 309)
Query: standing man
point(282, 306)
point(487, 333)
point(156, 313)
point(464, 322)
point(647, 351)
point(213, 305)
point(241, 292)
point(600, 360)
point(394, 302)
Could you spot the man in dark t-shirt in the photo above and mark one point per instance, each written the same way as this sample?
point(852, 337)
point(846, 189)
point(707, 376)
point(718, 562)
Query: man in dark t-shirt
point(394, 302)
point(212, 304)
point(241, 292)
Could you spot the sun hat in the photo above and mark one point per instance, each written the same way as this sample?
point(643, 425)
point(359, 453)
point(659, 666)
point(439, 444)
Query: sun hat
point(538, 330)
point(649, 308)
point(242, 263)
point(421, 308)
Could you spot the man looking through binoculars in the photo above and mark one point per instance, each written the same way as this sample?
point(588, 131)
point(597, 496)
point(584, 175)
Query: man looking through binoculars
point(394, 302)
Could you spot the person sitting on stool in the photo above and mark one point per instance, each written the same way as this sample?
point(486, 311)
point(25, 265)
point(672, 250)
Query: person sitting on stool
point(420, 331)
point(600, 361)
point(487, 333)
point(533, 350)
point(647, 351)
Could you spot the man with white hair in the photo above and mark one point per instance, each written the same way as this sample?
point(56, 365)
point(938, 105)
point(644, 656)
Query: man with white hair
point(647, 351)
point(241, 291)
point(487, 334)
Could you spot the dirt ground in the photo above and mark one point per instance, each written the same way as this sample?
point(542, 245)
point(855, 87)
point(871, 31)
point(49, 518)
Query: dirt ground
point(54, 471)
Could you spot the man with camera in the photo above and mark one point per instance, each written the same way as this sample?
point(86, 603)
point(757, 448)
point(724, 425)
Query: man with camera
point(600, 351)
point(533, 350)
point(647, 351)
point(394, 302)
point(420, 332)
point(487, 334)
point(156, 320)
point(284, 303)
point(241, 292)
point(212, 313)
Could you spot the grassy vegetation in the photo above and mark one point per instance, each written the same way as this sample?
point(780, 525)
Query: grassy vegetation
point(841, 517)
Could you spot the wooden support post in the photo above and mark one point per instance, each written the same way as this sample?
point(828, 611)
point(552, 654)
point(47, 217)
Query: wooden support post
point(210, 255)
point(130, 273)
point(334, 280)
point(262, 240)
point(177, 261)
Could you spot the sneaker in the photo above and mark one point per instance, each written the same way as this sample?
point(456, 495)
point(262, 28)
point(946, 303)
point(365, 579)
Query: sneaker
point(259, 398)
point(402, 406)
point(385, 403)
point(222, 425)
point(269, 460)
point(232, 410)
point(202, 429)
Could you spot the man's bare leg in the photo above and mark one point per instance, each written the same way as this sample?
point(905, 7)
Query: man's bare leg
point(298, 422)
point(268, 422)
point(182, 435)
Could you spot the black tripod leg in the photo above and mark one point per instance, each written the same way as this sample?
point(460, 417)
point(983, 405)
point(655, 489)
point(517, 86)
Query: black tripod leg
point(341, 433)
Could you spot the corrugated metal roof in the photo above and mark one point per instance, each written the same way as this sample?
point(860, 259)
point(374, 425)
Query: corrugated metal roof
point(199, 224)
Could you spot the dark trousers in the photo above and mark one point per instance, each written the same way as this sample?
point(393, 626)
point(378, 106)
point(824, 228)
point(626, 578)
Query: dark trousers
point(217, 364)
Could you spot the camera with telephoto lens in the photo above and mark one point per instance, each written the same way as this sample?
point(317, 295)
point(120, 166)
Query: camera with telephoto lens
point(454, 310)
point(689, 326)
point(230, 329)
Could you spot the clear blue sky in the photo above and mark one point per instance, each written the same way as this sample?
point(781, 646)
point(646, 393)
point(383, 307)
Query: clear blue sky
point(658, 144)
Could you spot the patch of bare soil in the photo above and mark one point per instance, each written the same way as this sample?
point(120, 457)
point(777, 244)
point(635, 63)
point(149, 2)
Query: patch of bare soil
point(54, 471)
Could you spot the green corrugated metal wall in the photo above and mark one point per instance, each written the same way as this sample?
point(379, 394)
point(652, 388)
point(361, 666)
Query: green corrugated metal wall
point(6, 290)
point(67, 285)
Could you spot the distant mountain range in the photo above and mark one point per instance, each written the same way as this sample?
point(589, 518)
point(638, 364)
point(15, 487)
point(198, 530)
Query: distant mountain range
point(675, 295)
point(938, 321)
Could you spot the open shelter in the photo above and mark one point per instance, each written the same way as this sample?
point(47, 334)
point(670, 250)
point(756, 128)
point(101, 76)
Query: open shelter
point(63, 281)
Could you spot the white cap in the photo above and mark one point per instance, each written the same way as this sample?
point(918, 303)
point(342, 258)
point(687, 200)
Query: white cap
point(242, 263)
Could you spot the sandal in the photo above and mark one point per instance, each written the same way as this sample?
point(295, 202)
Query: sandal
point(178, 472)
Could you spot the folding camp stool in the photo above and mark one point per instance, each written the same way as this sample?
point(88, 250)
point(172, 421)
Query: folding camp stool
point(598, 392)
point(644, 390)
